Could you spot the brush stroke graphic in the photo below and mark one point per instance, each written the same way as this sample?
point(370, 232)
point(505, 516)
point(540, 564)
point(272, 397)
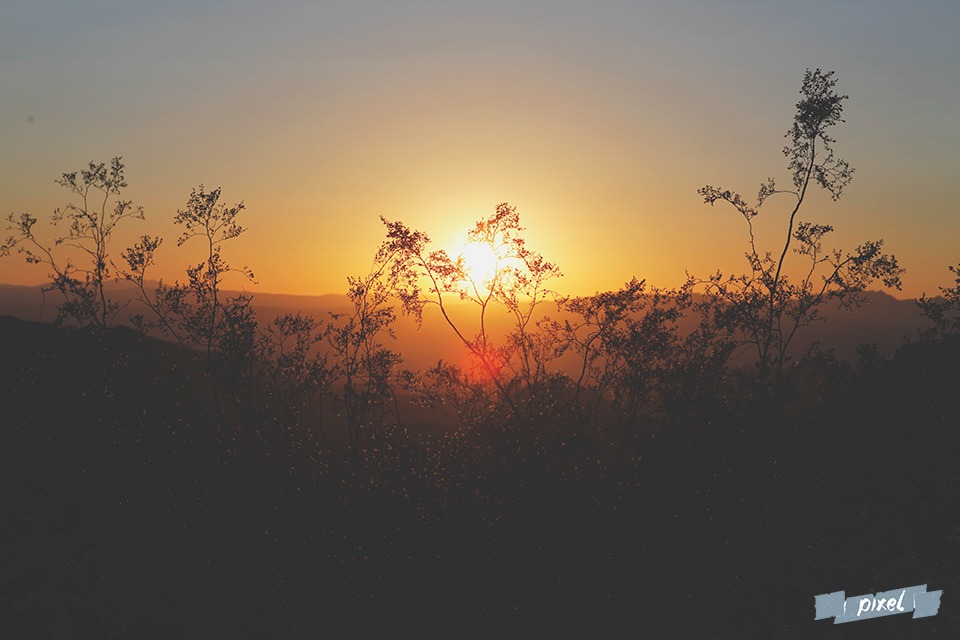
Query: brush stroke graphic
point(917, 599)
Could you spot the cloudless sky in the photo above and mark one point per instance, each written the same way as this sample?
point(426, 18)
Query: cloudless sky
point(598, 120)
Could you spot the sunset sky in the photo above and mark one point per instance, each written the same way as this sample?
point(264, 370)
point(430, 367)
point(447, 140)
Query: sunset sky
point(598, 121)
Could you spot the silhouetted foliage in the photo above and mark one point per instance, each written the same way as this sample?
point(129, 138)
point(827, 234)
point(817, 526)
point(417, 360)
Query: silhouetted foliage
point(515, 372)
point(80, 275)
point(944, 310)
point(765, 308)
point(367, 371)
point(194, 313)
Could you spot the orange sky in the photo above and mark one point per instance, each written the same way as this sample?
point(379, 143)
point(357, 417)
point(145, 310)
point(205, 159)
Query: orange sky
point(598, 124)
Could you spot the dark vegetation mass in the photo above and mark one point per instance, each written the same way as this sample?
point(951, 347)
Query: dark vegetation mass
point(637, 463)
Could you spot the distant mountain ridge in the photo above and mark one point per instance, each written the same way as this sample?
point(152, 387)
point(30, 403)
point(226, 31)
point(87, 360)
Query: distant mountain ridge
point(884, 320)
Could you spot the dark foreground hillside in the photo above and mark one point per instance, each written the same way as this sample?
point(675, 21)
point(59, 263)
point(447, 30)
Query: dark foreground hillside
point(141, 501)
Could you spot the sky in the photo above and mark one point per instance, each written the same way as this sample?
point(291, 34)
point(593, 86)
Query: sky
point(598, 121)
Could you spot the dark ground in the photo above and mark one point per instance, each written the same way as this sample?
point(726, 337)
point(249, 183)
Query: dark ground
point(132, 508)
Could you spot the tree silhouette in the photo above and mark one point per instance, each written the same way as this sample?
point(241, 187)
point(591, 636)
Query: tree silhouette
point(195, 313)
point(625, 342)
point(366, 370)
point(300, 376)
point(765, 308)
point(943, 310)
point(90, 222)
point(516, 370)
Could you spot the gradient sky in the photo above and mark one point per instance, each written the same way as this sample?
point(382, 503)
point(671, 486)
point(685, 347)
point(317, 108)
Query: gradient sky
point(598, 120)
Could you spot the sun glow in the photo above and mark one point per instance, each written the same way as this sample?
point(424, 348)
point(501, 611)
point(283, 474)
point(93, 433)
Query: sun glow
point(480, 263)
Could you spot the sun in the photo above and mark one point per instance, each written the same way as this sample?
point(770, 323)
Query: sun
point(480, 262)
